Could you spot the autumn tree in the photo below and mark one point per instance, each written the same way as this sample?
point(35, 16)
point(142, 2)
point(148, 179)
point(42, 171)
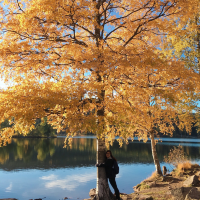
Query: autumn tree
point(93, 66)
point(184, 41)
point(184, 44)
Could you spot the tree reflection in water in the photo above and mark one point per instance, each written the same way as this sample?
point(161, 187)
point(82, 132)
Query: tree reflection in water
point(43, 153)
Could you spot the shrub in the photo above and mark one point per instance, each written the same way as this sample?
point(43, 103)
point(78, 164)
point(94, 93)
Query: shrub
point(153, 176)
point(184, 166)
point(176, 156)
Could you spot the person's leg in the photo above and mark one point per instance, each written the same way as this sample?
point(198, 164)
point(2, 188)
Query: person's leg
point(114, 185)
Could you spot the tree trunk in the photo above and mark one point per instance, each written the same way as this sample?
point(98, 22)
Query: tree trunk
point(102, 188)
point(198, 44)
point(154, 154)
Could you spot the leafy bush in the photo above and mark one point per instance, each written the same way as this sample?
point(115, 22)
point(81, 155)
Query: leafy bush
point(176, 156)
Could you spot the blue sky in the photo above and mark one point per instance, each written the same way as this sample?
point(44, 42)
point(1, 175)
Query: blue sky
point(2, 84)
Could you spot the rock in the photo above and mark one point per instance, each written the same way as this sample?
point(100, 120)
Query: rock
point(65, 198)
point(92, 192)
point(198, 173)
point(137, 188)
point(193, 194)
point(9, 199)
point(178, 193)
point(191, 181)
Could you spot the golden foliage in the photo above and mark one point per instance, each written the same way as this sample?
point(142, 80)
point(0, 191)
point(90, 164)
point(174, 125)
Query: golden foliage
point(94, 66)
point(184, 166)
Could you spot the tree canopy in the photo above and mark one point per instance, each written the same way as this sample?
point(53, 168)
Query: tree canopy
point(184, 44)
point(94, 66)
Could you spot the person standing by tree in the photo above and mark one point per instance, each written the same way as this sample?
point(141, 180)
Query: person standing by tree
point(110, 172)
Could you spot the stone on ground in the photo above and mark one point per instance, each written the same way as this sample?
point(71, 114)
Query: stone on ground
point(177, 193)
point(9, 199)
point(92, 192)
point(191, 181)
point(194, 194)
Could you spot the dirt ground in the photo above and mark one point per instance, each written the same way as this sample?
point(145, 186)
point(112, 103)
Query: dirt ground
point(160, 187)
point(161, 190)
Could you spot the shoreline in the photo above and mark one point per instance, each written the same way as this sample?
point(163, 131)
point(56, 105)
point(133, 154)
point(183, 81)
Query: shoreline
point(180, 184)
point(30, 136)
point(92, 135)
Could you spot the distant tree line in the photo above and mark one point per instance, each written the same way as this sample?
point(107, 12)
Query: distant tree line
point(42, 128)
point(195, 131)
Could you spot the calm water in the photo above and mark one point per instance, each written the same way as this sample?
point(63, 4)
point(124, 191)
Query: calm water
point(39, 168)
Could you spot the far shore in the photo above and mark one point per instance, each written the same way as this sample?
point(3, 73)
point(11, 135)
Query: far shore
point(32, 136)
point(161, 138)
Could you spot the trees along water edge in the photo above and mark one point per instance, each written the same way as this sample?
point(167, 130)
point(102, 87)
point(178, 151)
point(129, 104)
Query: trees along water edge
point(93, 66)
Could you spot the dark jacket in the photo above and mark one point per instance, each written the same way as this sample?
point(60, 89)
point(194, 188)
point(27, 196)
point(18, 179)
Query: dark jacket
point(109, 163)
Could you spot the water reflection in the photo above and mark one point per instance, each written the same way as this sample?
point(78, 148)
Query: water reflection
point(52, 184)
point(37, 168)
point(47, 153)
point(70, 182)
point(9, 188)
point(35, 153)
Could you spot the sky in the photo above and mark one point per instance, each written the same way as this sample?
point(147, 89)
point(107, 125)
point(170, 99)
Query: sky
point(2, 84)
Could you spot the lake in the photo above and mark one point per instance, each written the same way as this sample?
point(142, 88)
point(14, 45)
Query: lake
point(33, 168)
